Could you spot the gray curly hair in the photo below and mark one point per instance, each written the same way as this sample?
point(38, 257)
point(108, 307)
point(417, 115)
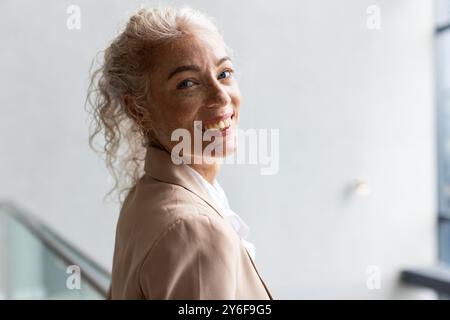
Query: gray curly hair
point(127, 130)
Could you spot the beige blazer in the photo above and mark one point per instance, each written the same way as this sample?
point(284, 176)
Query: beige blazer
point(172, 242)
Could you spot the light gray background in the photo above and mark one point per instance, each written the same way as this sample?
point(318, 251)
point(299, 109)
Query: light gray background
point(348, 101)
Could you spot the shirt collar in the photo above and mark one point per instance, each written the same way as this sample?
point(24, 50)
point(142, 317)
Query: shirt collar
point(214, 190)
point(159, 165)
point(218, 194)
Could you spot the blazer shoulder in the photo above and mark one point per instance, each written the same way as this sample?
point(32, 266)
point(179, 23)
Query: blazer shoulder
point(195, 257)
point(151, 210)
point(163, 195)
point(153, 199)
point(197, 228)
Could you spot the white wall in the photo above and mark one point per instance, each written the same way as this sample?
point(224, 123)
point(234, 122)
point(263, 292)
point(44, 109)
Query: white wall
point(348, 102)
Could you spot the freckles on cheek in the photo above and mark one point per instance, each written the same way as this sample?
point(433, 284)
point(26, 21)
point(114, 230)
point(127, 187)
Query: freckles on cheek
point(186, 108)
point(181, 109)
point(180, 117)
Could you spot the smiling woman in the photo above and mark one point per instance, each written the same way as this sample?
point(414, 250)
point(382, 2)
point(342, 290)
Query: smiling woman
point(176, 237)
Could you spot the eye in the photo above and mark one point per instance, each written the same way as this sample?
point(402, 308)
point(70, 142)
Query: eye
point(225, 74)
point(185, 84)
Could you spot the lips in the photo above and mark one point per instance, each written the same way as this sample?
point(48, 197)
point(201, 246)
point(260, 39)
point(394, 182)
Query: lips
point(219, 123)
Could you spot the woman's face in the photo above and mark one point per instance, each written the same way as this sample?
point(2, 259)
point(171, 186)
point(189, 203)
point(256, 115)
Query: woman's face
point(193, 80)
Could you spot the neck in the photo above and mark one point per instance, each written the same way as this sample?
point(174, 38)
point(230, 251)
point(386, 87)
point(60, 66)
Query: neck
point(208, 171)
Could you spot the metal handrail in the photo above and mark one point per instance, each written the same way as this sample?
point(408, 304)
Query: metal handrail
point(436, 278)
point(95, 275)
point(443, 28)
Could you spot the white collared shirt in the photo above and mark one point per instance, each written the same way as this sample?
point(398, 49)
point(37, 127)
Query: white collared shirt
point(217, 194)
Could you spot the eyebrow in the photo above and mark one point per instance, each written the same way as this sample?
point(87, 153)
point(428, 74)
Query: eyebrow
point(193, 67)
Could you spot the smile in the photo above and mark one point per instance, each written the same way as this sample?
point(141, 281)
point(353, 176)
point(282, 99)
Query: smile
point(220, 123)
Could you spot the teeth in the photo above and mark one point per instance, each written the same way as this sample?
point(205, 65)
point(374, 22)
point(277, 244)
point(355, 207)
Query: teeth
point(219, 125)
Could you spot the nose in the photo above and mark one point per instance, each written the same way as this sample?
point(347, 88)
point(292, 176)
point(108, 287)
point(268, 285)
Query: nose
point(217, 96)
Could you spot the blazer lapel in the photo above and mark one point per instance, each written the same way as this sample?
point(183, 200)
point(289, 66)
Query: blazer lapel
point(159, 165)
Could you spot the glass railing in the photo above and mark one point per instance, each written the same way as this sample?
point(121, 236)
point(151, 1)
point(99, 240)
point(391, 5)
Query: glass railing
point(36, 263)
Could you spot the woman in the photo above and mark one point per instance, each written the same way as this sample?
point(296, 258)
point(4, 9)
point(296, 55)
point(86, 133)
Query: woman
point(170, 71)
